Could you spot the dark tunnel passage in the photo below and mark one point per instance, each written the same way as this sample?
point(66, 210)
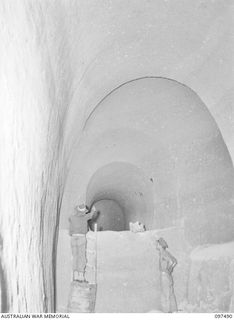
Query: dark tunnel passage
point(111, 216)
point(122, 194)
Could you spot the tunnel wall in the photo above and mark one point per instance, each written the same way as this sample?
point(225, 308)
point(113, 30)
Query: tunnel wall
point(30, 130)
point(64, 271)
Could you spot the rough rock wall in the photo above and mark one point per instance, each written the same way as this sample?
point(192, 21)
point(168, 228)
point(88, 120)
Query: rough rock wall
point(64, 271)
point(31, 103)
point(210, 285)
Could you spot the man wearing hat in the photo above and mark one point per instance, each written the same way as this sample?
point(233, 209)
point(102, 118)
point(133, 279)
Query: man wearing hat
point(167, 264)
point(78, 227)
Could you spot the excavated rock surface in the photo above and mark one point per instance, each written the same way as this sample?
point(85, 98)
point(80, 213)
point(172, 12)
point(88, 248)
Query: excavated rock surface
point(82, 298)
point(210, 286)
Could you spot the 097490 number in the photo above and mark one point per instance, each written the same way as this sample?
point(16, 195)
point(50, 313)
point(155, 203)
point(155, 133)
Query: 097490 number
point(223, 315)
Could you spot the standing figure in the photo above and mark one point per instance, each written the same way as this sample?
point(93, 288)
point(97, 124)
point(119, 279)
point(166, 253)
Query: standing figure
point(166, 265)
point(78, 227)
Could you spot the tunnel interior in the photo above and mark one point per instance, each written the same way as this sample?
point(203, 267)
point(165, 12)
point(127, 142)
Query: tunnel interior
point(152, 146)
point(141, 87)
point(154, 154)
point(110, 216)
point(123, 184)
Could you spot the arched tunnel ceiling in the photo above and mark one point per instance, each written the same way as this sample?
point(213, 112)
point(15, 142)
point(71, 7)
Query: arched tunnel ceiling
point(165, 130)
point(119, 42)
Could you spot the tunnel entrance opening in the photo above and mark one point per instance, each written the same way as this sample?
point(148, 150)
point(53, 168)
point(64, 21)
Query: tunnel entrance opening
point(122, 194)
point(111, 216)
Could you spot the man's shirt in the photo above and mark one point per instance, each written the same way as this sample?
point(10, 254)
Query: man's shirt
point(79, 223)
